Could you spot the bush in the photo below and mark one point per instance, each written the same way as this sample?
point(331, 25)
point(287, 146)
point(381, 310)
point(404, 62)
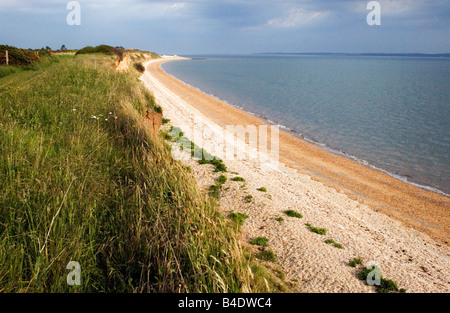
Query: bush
point(293, 213)
point(103, 49)
point(222, 179)
point(317, 230)
point(139, 67)
point(267, 255)
point(260, 241)
point(334, 243)
point(238, 218)
point(237, 178)
point(355, 262)
point(18, 56)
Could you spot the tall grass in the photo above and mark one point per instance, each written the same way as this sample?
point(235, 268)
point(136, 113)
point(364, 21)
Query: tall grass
point(83, 179)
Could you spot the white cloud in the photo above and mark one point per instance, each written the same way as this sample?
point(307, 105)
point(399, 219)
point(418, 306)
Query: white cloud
point(298, 17)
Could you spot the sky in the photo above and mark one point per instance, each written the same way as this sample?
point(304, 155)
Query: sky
point(230, 26)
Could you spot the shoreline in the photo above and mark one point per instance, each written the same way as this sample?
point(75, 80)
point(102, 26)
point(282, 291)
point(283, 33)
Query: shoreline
point(417, 208)
point(318, 144)
point(411, 258)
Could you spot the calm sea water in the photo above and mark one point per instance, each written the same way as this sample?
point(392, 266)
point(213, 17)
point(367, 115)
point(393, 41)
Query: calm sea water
point(392, 113)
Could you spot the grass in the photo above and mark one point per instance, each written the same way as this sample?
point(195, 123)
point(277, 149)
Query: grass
point(259, 241)
point(248, 198)
point(263, 189)
point(332, 242)
point(238, 218)
point(222, 179)
point(373, 273)
point(317, 230)
point(238, 178)
point(279, 219)
point(385, 285)
point(355, 262)
point(214, 191)
point(104, 49)
point(103, 191)
point(177, 135)
point(267, 255)
point(292, 213)
point(31, 68)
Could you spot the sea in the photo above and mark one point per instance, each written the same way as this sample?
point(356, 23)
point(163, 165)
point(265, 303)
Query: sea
point(391, 113)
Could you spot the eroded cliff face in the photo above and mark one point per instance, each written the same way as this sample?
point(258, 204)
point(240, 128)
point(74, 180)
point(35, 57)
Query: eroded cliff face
point(123, 65)
point(154, 120)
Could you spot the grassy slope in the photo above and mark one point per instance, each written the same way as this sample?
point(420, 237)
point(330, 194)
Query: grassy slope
point(102, 192)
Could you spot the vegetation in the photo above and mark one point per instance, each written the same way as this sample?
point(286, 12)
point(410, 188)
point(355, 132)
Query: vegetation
point(384, 285)
point(317, 230)
point(139, 66)
point(266, 255)
point(279, 219)
point(260, 241)
point(237, 178)
point(17, 56)
point(263, 189)
point(21, 60)
point(292, 213)
point(248, 198)
point(355, 262)
point(119, 52)
point(215, 190)
point(332, 242)
point(222, 179)
point(238, 218)
point(82, 179)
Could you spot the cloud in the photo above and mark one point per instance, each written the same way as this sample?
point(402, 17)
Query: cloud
point(298, 17)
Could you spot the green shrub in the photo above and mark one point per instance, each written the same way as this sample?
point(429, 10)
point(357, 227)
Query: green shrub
point(158, 109)
point(263, 189)
point(260, 241)
point(267, 255)
point(18, 56)
point(385, 285)
point(293, 213)
point(139, 66)
point(238, 218)
point(237, 178)
point(332, 242)
point(248, 198)
point(214, 191)
point(119, 52)
point(317, 230)
point(355, 262)
point(222, 179)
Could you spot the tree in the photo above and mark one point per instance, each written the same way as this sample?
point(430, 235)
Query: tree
point(63, 48)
